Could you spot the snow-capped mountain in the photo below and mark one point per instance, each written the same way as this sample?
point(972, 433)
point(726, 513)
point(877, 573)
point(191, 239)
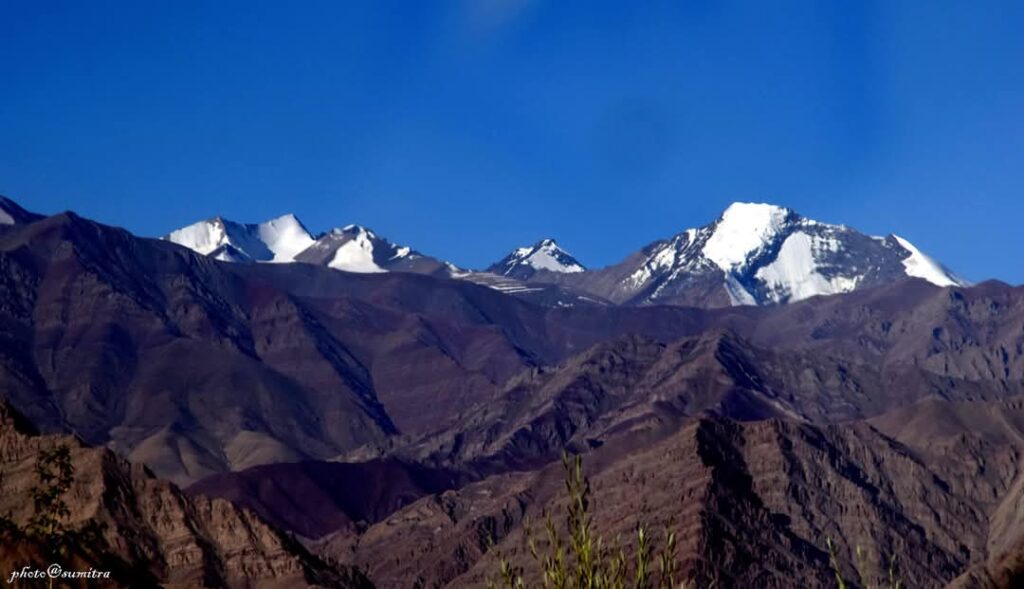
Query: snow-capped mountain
point(756, 254)
point(524, 262)
point(354, 248)
point(285, 239)
point(277, 240)
point(11, 213)
point(753, 254)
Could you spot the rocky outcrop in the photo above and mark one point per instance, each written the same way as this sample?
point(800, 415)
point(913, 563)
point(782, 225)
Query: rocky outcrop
point(143, 530)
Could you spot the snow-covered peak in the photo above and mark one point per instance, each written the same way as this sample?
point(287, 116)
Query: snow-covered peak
point(742, 230)
point(763, 254)
point(277, 240)
point(12, 214)
point(544, 255)
point(285, 236)
point(353, 230)
point(547, 255)
point(285, 239)
point(919, 265)
point(203, 237)
point(356, 250)
point(6, 218)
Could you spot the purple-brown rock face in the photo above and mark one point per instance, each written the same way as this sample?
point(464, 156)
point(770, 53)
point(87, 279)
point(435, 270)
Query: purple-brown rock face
point(142, 530)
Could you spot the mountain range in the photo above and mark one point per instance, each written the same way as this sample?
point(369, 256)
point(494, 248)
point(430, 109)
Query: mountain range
point(753, 254)
point(371, 400)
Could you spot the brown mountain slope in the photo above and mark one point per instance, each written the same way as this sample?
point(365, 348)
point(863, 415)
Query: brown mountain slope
point(622, 384)
point(622, 387)
point(636, 385)
point(1003, 572)
point(753, 503)
point(144, 530)
point(980, 446)
point(160, 354)
point(313, 499)
point(636, 382)
point(196, 367)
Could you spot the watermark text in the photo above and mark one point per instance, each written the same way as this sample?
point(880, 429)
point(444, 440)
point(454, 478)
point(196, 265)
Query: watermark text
point(55, 571)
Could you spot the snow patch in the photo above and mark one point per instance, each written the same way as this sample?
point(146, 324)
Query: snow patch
point(285, 237)
point(670, 255)
point(662, 260)
point(356, 254)
point(228, 255)
point(203, 237)
point(793, 274)
point(919, 265)
point(738, 296)
point(743, 229)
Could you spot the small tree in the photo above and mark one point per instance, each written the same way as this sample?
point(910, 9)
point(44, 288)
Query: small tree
point(55, 473)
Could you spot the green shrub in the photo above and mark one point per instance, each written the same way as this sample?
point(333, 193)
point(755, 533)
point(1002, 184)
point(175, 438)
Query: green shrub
point(861, 566)
point(584, 560)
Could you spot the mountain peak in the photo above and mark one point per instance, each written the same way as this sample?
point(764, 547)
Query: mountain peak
point(285, 219)
point(353, 229)
point(753, 208)
point(759, 253)
point(918, 265)
point(545, 254)
point(355, 248)
point(11, 213)
point(352, 248)
point(285, 236)
point(276, 240)
point(743, 229)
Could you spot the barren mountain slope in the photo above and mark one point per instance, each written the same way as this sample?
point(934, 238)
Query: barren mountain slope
point(144, 530)
point(980, 445)
point(753, 504)
point(638, 385)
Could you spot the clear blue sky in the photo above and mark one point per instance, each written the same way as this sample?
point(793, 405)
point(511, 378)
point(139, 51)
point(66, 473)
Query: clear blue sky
point(467, 128)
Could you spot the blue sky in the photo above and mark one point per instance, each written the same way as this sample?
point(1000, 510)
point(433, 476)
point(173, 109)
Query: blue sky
point(467, 128)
